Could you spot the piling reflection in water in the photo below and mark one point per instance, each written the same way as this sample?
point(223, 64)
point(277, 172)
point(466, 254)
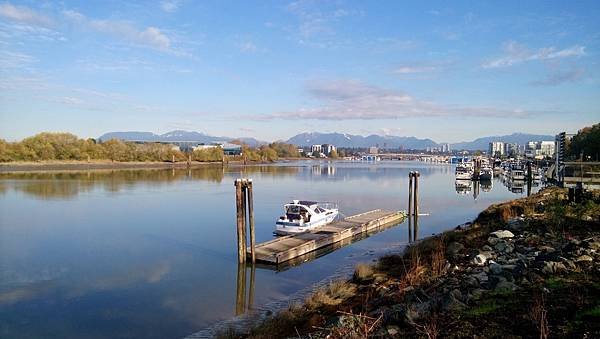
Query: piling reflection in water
point(413, 228)
point(243, 305)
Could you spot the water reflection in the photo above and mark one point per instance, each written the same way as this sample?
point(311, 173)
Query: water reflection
point(243, 305)
point(158, 259)
point(462, 186)
point(67, 185)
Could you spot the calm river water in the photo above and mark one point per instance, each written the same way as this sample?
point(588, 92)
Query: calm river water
point(152, 253)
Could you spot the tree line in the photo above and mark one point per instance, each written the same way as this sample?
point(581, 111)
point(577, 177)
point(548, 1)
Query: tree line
point(585, 145)
point(65, 146)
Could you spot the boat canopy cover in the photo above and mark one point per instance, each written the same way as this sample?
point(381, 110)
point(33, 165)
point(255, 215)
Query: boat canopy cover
point(307, 203)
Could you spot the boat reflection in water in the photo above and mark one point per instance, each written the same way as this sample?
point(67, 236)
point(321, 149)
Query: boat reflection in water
point(487, 185)
point(462, 186)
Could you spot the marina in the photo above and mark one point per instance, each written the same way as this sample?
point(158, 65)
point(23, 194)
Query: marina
point(285, 248)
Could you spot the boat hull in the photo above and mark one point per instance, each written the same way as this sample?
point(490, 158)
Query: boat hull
point(287, 227)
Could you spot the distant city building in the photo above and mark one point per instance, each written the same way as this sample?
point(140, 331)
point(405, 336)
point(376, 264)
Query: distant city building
point(511, 149)
point(373, 150)
point(445, 148)
point(327, 149)
point(540, 149)
point(496, 149)
point(323, 150)
point(228, 149)
point(560, 142)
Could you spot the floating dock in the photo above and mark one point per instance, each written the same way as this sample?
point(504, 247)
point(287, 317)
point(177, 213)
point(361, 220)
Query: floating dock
point(288, 247)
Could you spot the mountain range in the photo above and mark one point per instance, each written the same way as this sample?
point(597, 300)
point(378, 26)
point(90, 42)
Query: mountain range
point(174, 136)
point(337, 139)
point(354, 141)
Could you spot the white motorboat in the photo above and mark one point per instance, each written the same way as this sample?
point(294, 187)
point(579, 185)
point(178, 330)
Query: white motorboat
point(516, 173)
point(302, 216)
point(463, 172)
point(486, 173)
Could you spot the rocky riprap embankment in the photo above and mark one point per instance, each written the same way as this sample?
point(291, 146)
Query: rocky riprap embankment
point(527, 268)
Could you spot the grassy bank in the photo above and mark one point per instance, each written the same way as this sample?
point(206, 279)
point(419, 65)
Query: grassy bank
point(525, 268)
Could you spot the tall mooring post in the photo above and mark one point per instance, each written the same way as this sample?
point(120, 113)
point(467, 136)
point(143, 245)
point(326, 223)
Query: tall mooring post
point(410, 192)
point(413, 193)
point(244, 202)
point(416, 194)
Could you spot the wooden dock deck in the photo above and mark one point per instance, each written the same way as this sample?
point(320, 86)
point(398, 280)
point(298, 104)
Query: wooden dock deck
point(284, 248)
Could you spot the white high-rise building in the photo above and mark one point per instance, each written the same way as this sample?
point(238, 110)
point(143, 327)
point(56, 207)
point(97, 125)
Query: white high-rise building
point(496, 148)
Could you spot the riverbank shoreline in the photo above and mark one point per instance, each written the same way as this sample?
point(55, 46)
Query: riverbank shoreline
point(527, 267)
point(79, 165)
point(101, 165)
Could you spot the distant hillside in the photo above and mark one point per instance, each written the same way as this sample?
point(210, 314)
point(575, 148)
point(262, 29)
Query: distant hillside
point(354, 141)
point(174, 136)
point(483, 143)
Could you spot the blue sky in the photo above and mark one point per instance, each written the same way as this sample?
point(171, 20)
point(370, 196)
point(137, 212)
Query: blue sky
point(450, 71)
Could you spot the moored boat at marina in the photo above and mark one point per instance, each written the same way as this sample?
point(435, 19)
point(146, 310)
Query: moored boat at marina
point(302, 216)
point(486, 173)
point(463, 172)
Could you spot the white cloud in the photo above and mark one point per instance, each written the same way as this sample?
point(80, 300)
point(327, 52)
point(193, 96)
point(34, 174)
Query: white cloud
point(248, 47)
point(149, 37)
point(355, 100)
point(170, 6)
point(517, 53)
point(24, 15)
point(415, 69)
point(14, 60)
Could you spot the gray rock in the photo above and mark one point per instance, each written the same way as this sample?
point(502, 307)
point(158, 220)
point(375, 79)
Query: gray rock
point(454, 248)
point(505, 285)
point(481, 277)
point(486, 248)
point(493, 240)
point(479, 260)
point(502, 234)
point(495, 268)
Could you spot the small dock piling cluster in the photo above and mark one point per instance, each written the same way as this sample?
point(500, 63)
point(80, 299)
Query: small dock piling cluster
point(244, 202)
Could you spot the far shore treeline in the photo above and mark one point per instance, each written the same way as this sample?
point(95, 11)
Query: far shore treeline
point(585, 145)
point(68, 147)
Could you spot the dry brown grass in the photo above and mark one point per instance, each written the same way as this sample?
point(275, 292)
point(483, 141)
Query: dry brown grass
point(363, 272)
point(353, 326)
point(430, 329)
point(438, 258)
point(539, 315)
point(415, 271)
point(334, 294)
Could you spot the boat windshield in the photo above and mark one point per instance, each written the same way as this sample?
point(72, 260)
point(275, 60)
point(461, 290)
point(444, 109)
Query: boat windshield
point(294, 209)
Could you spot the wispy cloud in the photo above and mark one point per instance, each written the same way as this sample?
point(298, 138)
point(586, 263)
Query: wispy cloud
point(516, 53)
point(560, 77)
point(170, 6)
point(24, 15)
point(248, 47)
point(355, 100)
point(150, 37)
point(10, 60)
point(415, 69)
point(316, 23)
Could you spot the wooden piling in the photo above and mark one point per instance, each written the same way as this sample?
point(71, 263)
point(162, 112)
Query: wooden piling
point(244, 218)
point(416, 194)
point(251, 219)
point(410, 192)
point(240, 221)
point(173, 158)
